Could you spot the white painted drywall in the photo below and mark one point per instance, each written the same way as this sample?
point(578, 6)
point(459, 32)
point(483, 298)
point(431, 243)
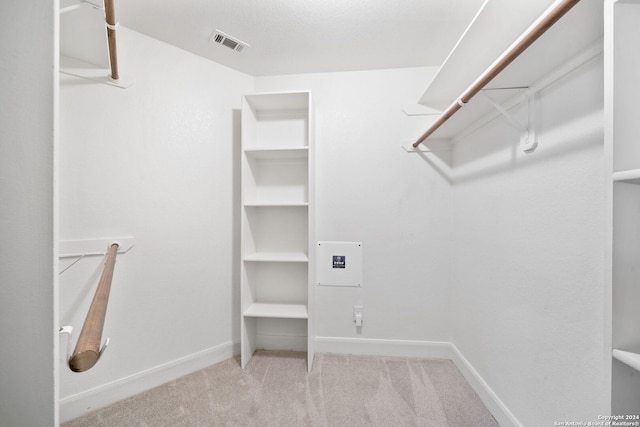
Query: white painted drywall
point(158, 162)
point(27, 268)
point(369, 189)
point(506, 262)
point(528, 289)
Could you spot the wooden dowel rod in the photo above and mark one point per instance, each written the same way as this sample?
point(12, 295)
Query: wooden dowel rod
point(110, 18)
point(534, 33)
point(87, 349)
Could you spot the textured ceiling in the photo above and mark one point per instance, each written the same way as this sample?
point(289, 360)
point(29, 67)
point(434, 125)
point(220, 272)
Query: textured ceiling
point(302, 36)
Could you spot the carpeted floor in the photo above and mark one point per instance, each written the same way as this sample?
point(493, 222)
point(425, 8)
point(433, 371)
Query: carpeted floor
point(275, 390)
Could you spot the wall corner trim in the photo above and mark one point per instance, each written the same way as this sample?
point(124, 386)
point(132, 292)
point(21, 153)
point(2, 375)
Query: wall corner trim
point(423, 349)
point(88, 401)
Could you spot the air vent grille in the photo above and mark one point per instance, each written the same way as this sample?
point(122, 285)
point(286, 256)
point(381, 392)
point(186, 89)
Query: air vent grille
point(228, 41)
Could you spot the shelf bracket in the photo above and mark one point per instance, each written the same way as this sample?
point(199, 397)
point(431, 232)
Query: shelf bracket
point(528, 141)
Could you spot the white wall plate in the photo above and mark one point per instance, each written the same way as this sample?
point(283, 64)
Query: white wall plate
point(339, 263)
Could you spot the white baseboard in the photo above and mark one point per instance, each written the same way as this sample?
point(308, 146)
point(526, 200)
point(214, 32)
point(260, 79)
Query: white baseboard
point(498, 409)
point(82, 403)
point(376, 347)
point(424, 349)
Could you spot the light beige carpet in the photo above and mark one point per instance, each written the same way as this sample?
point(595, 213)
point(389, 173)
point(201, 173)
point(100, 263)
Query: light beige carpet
point(276, 390)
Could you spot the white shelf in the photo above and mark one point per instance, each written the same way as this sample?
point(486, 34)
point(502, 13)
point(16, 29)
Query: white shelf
point(277, 257)
point(482, 43)
point(628, 358)
point(276, 204)
point(277, 153)
point(629, 176)
point(578, 31)
point(280, 311)
point(93, 247)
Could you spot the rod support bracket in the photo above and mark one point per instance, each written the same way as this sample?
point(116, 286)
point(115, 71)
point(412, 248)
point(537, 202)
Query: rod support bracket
point(528, 140)
point(103, 348)
point(68, 330)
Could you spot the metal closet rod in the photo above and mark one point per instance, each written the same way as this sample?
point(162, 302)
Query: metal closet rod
point(87, 351)
point(533, 34)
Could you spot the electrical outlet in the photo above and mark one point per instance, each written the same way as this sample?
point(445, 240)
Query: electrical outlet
point(358, 315)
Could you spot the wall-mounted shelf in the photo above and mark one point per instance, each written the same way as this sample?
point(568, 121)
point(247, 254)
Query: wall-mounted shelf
point(479, 46)
point(576, 32)
point(628, 176)
point(85, 70)
point(93, 247)
point(628, 358)
point(79, 249)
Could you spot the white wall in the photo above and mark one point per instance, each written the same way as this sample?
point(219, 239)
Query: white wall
point(528, 287)
point(27, 268)
point(369, 189)
point(157, 161)
point(506, 262)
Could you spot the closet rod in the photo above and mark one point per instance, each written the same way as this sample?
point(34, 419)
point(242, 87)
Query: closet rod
point(87, 349)
point(110, 18)
point(527, 40)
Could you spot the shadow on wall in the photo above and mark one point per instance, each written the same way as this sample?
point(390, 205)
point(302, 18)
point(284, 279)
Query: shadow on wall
point(438, 154)
point(499, 151)
point(568, 117)
point(236, 154)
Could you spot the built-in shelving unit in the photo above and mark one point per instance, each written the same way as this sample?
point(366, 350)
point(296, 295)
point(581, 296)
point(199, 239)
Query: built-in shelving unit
point(277, 223)
point(570, 42)
point(622, 130)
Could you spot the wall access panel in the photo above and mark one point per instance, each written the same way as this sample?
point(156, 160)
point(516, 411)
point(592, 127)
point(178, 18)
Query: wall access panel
point(339, 264)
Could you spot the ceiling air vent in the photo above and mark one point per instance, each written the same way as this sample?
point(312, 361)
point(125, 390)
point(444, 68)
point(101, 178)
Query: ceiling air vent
point(228, 41)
